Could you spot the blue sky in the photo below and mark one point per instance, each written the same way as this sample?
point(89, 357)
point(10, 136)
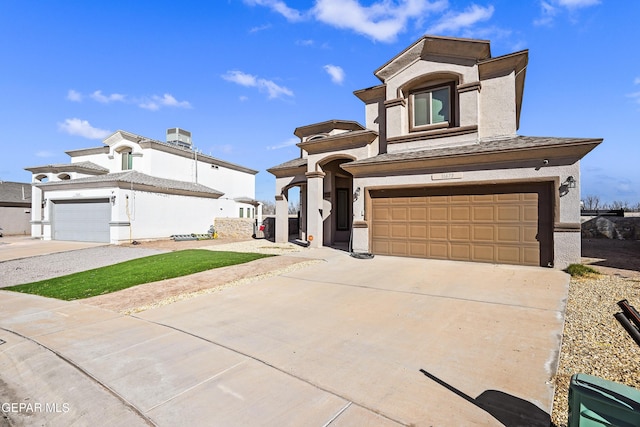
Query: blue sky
point(241, 75)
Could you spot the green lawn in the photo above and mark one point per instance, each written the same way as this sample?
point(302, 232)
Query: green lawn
point(115, 277)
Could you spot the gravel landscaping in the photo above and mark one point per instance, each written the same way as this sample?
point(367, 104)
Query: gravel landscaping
point(27, 270)
point(594, 342)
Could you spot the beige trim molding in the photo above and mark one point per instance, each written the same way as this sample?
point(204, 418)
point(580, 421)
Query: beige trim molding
point(398, 102)
point(360, 224)
point(567, 227)
point(315, 174)
point(433, 134)
point(468, 87)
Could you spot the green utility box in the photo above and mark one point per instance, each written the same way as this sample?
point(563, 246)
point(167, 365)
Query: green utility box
point(594, 402)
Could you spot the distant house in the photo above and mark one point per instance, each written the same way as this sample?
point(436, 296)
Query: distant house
point(15, 208)
point(438, 170)
point(134, 187)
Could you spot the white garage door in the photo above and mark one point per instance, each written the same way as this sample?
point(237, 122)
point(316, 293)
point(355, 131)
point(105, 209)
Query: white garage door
point(81, 220)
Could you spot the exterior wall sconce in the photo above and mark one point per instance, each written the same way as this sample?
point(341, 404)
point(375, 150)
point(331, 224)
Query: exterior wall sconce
point(44, 202)
point(113, 200)
point(356, 195)
point(570, 182)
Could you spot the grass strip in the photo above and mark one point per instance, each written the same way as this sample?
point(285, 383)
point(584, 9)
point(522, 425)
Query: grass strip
point(104, 280)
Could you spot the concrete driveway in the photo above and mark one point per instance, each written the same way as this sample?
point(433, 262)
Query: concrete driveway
point(17, 247)
point(386, 341)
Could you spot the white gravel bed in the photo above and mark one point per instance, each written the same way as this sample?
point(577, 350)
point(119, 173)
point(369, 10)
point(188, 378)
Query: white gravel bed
point(33, 269)
point(594, 342)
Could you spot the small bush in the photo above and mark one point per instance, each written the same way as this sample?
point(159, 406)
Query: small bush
point(581, 270)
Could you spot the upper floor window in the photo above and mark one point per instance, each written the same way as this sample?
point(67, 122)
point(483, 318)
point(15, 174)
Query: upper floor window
point(127, 160)
point(432, 107)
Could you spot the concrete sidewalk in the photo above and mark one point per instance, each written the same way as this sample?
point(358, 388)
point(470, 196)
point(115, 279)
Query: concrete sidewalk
point(387, 341)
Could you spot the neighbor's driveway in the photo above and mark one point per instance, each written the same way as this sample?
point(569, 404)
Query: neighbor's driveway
point(345, 342)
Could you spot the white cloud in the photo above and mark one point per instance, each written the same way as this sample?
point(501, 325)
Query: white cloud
point(243, 79)
point(636, 81)
point(453, 22)
point(106, 99)
point(305, 42)
point(167, 100)
point(280, 7)
point(259, 28)
point(382, 20)
point(82, 128)
point(74, 96)
point(575, 4)
point(551, 8)
point(45, 153)
point(288, 143)
point(336, 73)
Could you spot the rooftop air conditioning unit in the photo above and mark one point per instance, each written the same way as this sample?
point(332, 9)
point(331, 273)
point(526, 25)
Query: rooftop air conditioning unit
point(179, 137)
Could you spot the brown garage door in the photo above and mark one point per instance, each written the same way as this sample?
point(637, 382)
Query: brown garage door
point(498, 224)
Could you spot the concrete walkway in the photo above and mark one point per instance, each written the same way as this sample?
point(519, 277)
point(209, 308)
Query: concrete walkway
point(386, 341)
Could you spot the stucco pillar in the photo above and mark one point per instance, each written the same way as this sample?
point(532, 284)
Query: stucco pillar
point(315, 190)
point(282, 218)
point(396, 117)
point(36, 211)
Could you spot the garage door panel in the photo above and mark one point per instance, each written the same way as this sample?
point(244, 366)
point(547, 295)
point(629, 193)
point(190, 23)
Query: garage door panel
point(400, 248)
point(418, 231)
point(508, 255)
point(460, 232)
point(482, 253)
point(483, 233)
point(530, 213)
point(399, 231)
point(460, 213)
point(439, 250)
point(508, 234)
point(438, 213)
point(482, 213)
point(418, 249)
point(460, 252)
point(438, 232)
point(418, 214)
point(508, 213)
point(501, 226)
point(81, 220)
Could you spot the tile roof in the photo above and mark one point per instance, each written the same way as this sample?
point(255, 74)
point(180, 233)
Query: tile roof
point(295, 163)
point(68, 167)
point(493, 146)
point(135, 177)
point(15, 192)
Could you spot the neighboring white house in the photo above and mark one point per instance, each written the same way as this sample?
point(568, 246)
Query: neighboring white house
point(134, 187)
point(438, 170)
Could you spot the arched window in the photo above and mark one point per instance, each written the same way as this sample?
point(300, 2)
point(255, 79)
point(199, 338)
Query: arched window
point(64, 177)
point(42, 178)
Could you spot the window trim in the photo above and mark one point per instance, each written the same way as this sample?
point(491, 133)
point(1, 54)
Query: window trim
point(126, 154)
point(451, 85)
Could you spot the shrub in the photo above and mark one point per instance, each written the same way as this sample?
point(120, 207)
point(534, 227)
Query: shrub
point(581, 270)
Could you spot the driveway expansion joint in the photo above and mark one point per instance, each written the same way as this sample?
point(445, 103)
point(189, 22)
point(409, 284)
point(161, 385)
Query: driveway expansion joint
point(87, 374)
point(265, 363)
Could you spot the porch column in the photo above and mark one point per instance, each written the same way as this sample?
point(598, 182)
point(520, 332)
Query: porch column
point(314, 212)
point(282, 218)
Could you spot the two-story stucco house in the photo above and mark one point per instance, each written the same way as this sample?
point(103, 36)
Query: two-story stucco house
point(138, 188)
point(438, 170)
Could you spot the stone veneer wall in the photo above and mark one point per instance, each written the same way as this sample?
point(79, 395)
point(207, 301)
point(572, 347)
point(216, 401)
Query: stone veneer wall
point(627, 228)
point(234, 227)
